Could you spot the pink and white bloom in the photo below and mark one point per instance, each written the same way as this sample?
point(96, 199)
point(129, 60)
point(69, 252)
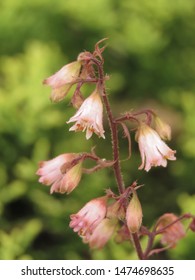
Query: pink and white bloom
point(50, 173)
point(88, 218)
point(102, 233)
point(154, 151)
point(62, 80)
point(172, 234)
point(89, 116)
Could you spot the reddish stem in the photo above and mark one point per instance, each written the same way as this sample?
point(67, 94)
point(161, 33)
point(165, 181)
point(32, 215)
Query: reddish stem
point(113, 129)
point(115, 147)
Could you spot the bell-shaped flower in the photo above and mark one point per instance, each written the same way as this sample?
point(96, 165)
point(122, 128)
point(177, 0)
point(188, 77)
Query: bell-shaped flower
point(89, 116)
point(102, 233)
point(173, 233)
point(89, 217)
point(154, 151)
point(62, 81)
point(51, 173)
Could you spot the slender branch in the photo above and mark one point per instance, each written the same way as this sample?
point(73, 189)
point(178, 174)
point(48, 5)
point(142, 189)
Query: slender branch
point(137, 246)
point(115, 147)
point(113, 128)
point(149, 245)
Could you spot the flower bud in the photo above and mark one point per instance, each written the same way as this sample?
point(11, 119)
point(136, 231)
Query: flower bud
point(163, 129)
point(134, 214)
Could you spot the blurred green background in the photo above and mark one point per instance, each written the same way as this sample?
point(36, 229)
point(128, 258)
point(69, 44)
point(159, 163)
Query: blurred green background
point(151, 61)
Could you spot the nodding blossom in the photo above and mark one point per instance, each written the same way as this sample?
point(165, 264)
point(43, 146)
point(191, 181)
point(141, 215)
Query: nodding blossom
point(89, 217)
point(89, 116)
point(154, 151)
point(62, 81)
point(50, 173)
point(173, 233)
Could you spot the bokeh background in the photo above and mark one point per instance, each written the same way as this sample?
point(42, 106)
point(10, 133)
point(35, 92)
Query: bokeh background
point(151, 61)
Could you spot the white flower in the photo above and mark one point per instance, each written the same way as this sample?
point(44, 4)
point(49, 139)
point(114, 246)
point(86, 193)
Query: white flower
point(154, 152)
point(89, 116)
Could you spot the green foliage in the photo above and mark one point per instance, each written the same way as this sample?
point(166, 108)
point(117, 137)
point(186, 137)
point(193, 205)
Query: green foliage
point(151, 61)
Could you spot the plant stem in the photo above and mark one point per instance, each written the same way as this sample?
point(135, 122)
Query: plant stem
point(115, 148)
point(137, 246)
point(114, 131)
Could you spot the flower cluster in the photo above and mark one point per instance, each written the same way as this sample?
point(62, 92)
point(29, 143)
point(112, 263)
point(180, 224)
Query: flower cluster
point(122, 213)
point(97, 221)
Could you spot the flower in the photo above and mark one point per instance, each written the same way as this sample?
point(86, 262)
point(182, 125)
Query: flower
point(88, 218)
point(101, 234)
point(62, 80)
point(162, 128)
point(173, 233)
point(51, 173)
point(154, 152)
point(89, 116)
point(134, 214)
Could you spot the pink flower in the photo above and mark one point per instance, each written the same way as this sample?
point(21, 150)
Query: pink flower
point(50, 173)
point(172, 234)
point(62, 80)
point(88, 218)
point(89, 116)
point(154, 152)
point(101, 234)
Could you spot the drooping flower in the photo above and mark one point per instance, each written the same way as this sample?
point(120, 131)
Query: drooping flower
point(89, 217)
point(62, 81)
point(51, 173)
point(134, 214)
point(89, 116)
point(154, 151)
point(101, 234)
point(173, 233)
